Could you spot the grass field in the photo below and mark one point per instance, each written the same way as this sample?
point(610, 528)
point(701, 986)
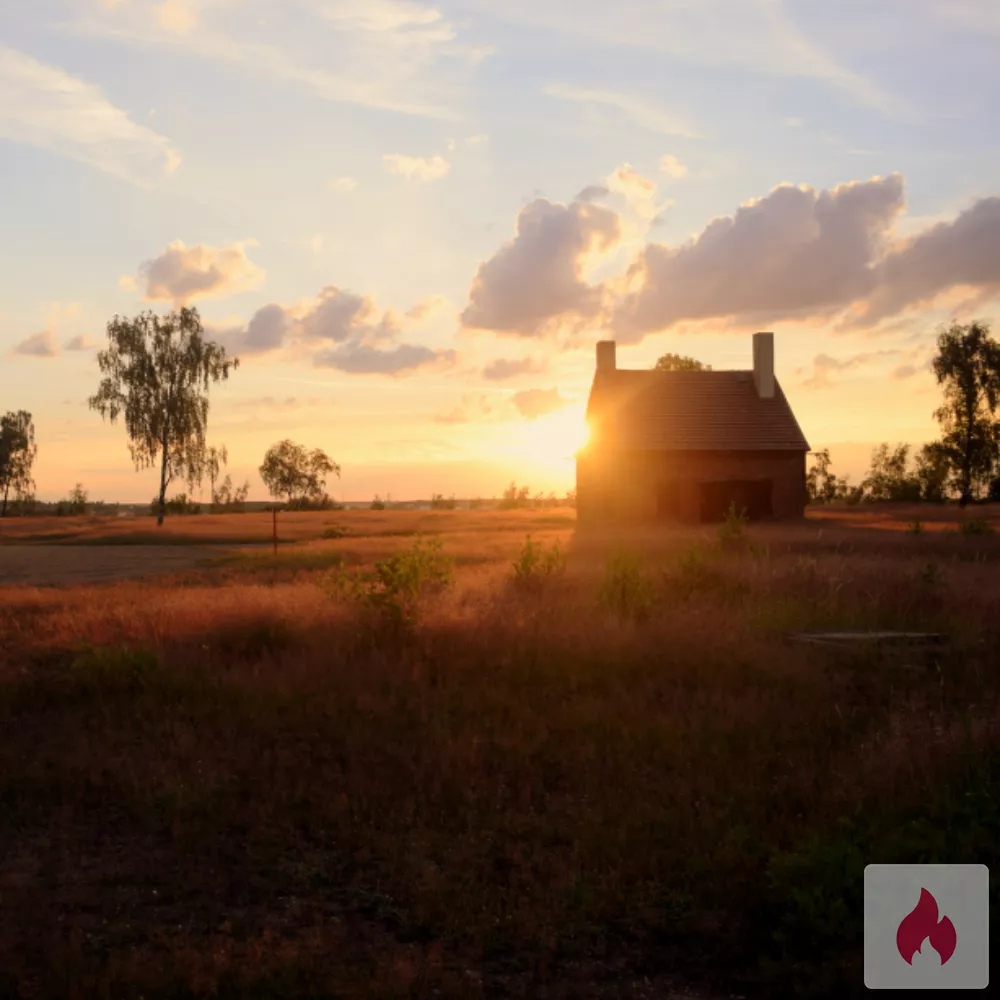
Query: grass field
point(609, 780)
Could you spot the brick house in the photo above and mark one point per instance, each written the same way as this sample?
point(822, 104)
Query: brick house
point(683, 445)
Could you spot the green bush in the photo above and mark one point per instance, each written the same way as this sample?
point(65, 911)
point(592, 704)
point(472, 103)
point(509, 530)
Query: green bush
point(627, 589)
point(536, 563)
point(391, 592)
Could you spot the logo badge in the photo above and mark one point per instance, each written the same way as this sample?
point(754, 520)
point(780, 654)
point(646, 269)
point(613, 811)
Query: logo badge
point(927, 927)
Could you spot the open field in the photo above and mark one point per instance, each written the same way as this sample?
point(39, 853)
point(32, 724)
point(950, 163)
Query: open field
point(235, 781)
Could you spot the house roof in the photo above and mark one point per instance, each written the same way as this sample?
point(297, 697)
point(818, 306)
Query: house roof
point(690, 411)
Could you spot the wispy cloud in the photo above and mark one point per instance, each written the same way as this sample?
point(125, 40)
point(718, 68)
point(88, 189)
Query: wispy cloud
point(391, 54)
point(637, 110)
point(46, 107)
point(342, 183)
point(421, 168)
point(759, 36)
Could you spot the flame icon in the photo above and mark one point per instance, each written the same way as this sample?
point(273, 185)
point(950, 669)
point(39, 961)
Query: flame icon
point(922, 923)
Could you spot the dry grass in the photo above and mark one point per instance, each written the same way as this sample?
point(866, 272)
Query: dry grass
point(228, 783)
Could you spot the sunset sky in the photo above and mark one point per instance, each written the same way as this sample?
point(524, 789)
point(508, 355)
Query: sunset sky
point(412, 221)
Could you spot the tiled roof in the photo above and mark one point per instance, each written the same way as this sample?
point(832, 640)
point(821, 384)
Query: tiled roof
point(690, 411)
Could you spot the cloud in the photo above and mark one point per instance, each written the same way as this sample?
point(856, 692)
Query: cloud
point(397, 55)
point(265, 332)
point(535, 403)
point(366, 359)
point(38, 345)
point(416, 167)
point(639, 193)
point(593, 192)
point(316, 243)
point(182, 273)
point(175, 15)
point(905, 371)
point(267, 402)
point(504, 368)
point(339, 316)
point(673, 167)
point(485, 407)
point(477, 140)
point(534, 281)
point(760, 38)
point(634, 109)
point(45, 107)
point(342, 184)
point(365, 336)
point(81, 342)
point(964, 252)
point(823, 366)
point(794, 252)
point(427, 309)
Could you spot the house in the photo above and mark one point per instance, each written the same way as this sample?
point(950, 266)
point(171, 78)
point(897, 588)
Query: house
point(684, 445)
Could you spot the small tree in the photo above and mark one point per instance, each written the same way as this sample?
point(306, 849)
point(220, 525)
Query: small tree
point(822, 486)
point(17, 455)
point(215, 461)
point(157, 372)
point(228, 499)
point(77, 500)
point(968, 366)
point(679, 363)
point(934, 472)
point(298, 475)
point(378, 503)
point(887, 477)
point(514, 497)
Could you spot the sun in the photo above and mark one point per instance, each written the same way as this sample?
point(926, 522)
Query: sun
point(552, 440)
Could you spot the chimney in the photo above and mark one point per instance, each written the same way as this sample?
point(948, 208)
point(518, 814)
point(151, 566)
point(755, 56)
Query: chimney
point(605, 355)
point(763, 364)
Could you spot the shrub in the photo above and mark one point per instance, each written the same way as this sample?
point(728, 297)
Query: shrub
point(931, 575)
point(392, 591)
point(335, 531)
point(377, 504)
point(439, 502)
point(536, 563)
point(113, 669)
point(731, 530)
point(514, 497)
point(976, 526)
point(179, 504)
point(915, 528)
point(627, 589)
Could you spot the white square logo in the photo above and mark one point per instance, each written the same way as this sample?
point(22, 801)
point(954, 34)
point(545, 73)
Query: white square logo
point(927, 927)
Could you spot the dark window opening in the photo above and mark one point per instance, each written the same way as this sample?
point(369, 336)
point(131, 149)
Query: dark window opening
point(753, 496)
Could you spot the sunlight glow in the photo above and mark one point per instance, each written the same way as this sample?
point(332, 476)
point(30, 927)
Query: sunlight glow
point(552, 440)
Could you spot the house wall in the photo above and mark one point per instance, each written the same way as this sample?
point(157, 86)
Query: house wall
point(630, 485)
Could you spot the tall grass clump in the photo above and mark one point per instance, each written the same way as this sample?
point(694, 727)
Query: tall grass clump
point(731, 532)
point(390, 593)
point(627, 589)
point(536, 564)
point(976, 526)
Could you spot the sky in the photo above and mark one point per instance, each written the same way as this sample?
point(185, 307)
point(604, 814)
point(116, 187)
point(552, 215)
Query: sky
point(412, 221)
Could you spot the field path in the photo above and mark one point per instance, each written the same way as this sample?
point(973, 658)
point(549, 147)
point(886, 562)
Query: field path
point(48, 565)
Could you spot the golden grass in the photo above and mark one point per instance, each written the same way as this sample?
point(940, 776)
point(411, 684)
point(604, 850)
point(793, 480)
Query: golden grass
point(229, 780)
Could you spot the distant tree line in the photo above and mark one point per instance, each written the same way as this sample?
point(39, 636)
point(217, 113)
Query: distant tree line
point(158, 370)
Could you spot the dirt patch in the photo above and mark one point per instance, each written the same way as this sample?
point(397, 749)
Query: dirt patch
point(54, 565)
